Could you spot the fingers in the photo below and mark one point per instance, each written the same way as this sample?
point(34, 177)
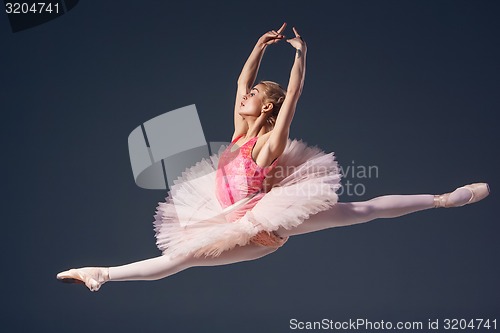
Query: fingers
point(275, 36)
point(280, 30)
point(278, 35)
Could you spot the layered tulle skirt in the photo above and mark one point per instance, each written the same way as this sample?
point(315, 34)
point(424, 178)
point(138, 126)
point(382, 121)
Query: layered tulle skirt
point(192, 221)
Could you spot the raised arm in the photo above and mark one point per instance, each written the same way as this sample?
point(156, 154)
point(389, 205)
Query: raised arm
point(279, 135)
point(249, 73)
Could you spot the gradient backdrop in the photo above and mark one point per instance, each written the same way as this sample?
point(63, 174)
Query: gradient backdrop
point(411, 87)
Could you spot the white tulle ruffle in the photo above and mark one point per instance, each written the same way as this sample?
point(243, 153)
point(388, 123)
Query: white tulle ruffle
point(192, 222)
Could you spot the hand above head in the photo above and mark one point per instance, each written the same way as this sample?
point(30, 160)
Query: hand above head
point(297, 42)
point(273, 36)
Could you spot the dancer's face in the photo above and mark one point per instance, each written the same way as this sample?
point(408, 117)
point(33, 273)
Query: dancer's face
point(252, 103)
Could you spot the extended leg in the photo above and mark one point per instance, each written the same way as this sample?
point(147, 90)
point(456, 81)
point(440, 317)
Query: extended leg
point(160, 267)
point(388, 206)
point(163, 266)
point(348, 213)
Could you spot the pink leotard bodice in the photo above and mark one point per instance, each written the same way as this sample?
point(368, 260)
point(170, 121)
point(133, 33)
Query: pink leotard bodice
point(238, 175)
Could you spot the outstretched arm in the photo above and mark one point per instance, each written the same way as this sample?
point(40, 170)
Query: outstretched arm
point(249, 73)
point(279, 135)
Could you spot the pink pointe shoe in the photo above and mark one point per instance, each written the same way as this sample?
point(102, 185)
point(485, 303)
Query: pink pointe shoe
point(478, 191)
point(92, 277)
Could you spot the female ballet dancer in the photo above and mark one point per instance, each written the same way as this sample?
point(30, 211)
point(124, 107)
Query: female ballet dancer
point(245, 201)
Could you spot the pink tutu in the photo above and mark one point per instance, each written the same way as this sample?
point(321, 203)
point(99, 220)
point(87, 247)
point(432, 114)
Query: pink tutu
point(192, 221)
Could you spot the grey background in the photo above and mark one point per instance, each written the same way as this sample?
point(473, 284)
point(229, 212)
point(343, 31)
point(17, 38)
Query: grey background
point(409, 86)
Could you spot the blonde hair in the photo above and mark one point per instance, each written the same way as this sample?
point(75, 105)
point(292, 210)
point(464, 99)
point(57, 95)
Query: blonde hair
point(274, 94)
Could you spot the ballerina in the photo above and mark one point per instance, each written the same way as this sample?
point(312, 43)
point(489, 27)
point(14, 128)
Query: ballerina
point(244, 202)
